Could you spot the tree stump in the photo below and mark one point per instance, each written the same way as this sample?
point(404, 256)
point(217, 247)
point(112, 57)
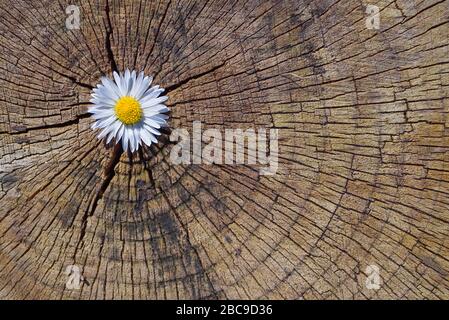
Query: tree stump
point(363, 176)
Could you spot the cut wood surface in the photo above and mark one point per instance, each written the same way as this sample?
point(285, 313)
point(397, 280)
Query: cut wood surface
point(363, 177)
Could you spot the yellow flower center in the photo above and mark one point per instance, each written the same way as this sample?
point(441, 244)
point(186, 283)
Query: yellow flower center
point(128, 110)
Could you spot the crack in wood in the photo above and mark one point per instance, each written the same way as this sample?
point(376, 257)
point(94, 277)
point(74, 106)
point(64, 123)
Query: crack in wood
point(109, 31)
point(175, 86)
point(109, 174)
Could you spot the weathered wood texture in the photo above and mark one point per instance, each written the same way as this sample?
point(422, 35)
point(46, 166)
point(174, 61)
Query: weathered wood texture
point(364, 148)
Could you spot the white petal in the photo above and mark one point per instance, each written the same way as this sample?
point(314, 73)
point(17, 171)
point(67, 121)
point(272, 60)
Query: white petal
point(104, 132)
point(111, 87)
point(132, 82)
point(159, 108)
point(161, 116)
point(150, 91)
point(100, 100)
point(100, 109)
point(127, 79)
point(124, 84)
point(158, 120)
point(109, 137)
point(162, 123)
point(131, 139)
point(151, 94)
point(152, 123)
point(146, 137)
point(125, 139)
point(102, 115)
point(118, 81)
point(152, 130)
point(153, 102)
point(105, 122)
point(136, 85)
point(136, 139)
point(143, 87)
point(120, 133)
point(136, 136)
point(106, 91)
point(149, 134)
point(115, 128)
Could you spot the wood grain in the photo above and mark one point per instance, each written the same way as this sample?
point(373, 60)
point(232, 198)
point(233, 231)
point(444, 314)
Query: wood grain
point(363, 174)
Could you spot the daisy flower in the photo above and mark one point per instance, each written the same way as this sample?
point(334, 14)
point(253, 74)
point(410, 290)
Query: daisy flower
point(129, 110)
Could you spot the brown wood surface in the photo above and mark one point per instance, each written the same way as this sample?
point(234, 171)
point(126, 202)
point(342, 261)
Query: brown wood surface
point(363, 174)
